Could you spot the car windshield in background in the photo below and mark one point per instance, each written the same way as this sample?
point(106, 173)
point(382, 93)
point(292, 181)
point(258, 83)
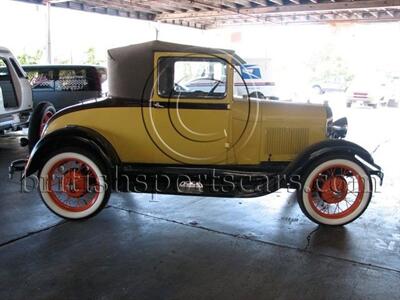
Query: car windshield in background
point(192, 77)
point(60, 79)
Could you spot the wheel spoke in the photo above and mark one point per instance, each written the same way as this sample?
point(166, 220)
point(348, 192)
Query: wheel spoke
point(71, 184)
point(336, 191)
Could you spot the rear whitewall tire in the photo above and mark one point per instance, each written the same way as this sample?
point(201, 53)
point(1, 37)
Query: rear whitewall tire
point(365, 200)
point(103, 193)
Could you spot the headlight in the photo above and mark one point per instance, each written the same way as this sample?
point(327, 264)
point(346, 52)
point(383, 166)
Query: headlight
point(338, 129)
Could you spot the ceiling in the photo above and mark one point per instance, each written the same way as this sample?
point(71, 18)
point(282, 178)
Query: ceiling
point(206, 14)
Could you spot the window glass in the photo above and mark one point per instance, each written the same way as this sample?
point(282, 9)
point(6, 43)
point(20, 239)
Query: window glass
point(41, 80)
point(72, 80)
point(192, 77)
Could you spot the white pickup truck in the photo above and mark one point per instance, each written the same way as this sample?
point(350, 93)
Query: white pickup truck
point(15, 93)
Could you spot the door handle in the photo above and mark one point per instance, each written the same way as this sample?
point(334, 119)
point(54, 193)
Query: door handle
point(158, 105)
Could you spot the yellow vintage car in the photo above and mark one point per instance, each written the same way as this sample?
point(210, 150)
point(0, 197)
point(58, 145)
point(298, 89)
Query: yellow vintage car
point(172, 125)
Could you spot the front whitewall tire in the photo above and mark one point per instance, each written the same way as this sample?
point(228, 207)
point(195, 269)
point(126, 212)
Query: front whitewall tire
point(366, 197)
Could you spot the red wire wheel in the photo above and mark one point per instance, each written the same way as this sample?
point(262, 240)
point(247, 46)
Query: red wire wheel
point(37, 122)
point(336, 192)
point(73, 185)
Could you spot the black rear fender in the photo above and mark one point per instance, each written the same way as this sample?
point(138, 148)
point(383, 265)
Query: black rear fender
point(72, 136)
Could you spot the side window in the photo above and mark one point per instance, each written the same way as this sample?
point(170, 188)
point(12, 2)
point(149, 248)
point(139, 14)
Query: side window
point(192, 77)
point(41, 79)
point(72, 80)
point(8, 98)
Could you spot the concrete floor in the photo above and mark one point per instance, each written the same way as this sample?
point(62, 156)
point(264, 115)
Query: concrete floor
point(171, 247)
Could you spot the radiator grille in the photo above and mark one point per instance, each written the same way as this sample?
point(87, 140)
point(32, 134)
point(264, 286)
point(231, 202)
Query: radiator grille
point(286, 140)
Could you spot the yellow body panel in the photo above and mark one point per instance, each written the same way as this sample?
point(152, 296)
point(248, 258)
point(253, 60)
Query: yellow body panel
point(275, 131)
point(245, 132)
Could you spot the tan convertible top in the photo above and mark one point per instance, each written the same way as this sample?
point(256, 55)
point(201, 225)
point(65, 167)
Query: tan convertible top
point(130, 68)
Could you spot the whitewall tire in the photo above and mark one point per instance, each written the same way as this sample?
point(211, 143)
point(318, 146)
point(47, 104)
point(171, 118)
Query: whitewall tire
point(73, 185)
point(335, 191)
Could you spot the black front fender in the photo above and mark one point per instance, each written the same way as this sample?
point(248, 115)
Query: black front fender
point(333, 147)
point(72, 136)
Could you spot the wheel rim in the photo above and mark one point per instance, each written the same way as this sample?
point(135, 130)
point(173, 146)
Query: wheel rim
point(73, 185)
point(336, 192)
point(46, 117)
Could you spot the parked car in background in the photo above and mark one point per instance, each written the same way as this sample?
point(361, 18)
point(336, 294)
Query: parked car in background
point(335, 85)
point(248, 82)
point(393, 92)
point(252, 82)
point(15, 93)
point(65, 85)
point(366, 92)
point(203, 85)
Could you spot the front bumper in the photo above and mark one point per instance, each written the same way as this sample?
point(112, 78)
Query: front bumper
point(379, 174)
point(372, 168)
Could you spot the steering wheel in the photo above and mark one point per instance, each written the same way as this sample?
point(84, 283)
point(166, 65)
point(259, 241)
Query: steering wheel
point(179, 88)
point(217, 83)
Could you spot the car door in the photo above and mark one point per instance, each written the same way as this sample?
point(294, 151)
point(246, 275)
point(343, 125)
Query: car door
point(188, 117)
